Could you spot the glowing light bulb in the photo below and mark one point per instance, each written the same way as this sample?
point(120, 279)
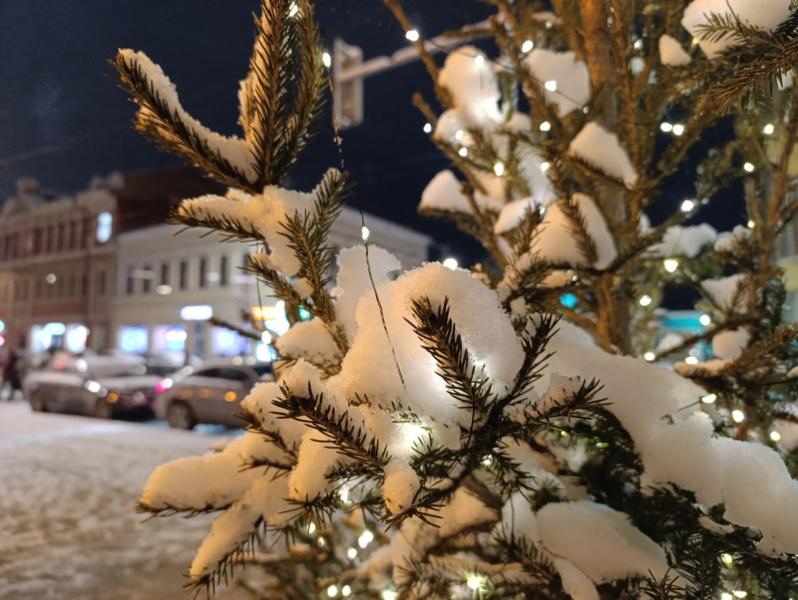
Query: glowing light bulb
point(351, 553)
point(463, 152)
point(775, 436)
point(545, 126)
point(709, 398)
point(498, 168)
point(458, 135)
point(427, 127)
point(412, 35)
point(691, 360)
point(450, 263)
point(751, 224)
point(527, 46)
point(665, 127)
point(311, 528)
point(705, 320)
point(551, 85)
point(739, 593)
point(749, 167)
point(638, 45)
point(726, 596)
point(649, 356)
point(678, 129)
point(645, 300)
point(687, 205)
point(738, 416)
point(727, 559)
point(389, 595)
point(365, 233)
point(479, 60)
point(326, 59)
point(769, 129)
point(346, 590)
point(332, 591)
point(544, 166)
point(475, 582)
point(293, 10)
point(365, 538)
point(671, 264)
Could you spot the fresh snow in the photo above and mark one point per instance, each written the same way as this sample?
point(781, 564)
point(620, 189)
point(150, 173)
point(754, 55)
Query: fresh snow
point(443, 193)
point(671, 52)
point(69, 528)
point(685, 241)
point(233, 149)
point(762, 14)
point(602, 150)
point(571, 76)
point(555, 243)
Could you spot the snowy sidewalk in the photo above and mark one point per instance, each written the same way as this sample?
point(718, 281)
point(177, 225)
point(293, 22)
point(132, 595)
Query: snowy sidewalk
point(68, 526)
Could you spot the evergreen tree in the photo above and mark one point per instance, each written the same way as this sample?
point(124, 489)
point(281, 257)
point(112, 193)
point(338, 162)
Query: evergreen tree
point(455, 433)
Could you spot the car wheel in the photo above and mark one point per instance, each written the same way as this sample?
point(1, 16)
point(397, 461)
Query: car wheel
point(37, 401)
point(179, 416)
point(103, 410)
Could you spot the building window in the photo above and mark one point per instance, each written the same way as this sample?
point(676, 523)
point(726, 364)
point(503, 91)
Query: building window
point(223, 271)
point(61, 236)
point(203, 272)
point(72, 285)
point(146, 283)
point(130, 288)
point(101, 282)
point(73, 235)
point(164, 273)
point(84, 284)
point(183, 274)
point(50, 235)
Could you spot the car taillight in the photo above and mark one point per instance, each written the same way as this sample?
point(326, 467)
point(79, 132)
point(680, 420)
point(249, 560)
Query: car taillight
point(163, 385)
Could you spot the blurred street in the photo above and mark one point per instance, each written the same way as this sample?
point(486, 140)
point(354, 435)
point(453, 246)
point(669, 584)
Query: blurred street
point(68, 526)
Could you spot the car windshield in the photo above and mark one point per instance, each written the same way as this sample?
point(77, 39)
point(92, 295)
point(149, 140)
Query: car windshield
point(116, 369)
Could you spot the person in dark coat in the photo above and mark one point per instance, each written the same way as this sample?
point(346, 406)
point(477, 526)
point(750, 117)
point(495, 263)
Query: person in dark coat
point(12, 372)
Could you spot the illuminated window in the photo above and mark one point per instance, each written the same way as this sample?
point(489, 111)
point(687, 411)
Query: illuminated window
point(105, 227)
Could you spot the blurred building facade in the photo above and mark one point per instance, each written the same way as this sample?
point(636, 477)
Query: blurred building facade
point(169, 284)
point(57, 259)
point(787, 251)
point(99, 269)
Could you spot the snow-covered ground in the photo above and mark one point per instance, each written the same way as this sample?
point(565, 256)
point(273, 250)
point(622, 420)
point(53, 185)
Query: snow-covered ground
point(68, 526)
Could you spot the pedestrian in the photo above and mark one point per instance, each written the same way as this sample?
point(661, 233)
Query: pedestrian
point(12, 372)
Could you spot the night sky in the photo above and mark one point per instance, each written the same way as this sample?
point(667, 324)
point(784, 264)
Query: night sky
point(63, 119)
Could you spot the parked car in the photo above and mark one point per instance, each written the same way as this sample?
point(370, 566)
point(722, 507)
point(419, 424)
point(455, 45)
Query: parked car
point(101, 386)
point(209, 393)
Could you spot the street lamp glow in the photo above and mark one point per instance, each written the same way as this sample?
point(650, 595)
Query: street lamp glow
point(738, 416)
point(545, 126)
point(544, 166)
point(332, 591)
point(412, 35)
point(671, 264)
point(326, 59)
point(769, 129)
point(688, 205)
point(427, 127)
point(645, 300)
point(678, 129)
point(665, 127)
point(749, 167)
